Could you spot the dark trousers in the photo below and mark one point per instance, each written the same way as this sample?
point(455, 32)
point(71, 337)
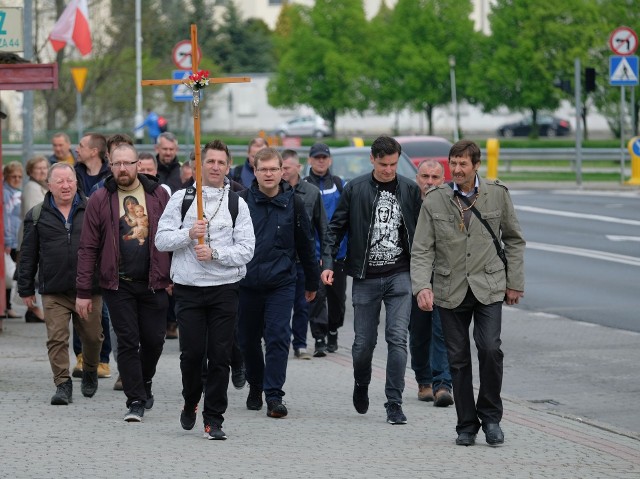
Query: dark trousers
point(207, 320)
point(106, 344)
point(327, 310)
point(300, 318)
point(487, 321)
point(138, 315)
point(266, 314)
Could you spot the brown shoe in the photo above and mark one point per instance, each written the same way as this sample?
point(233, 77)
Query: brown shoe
point(172, 331)
point(425, 392)
point(104, 371)
point(77, 370)
point(443, 398)
point(118, 384)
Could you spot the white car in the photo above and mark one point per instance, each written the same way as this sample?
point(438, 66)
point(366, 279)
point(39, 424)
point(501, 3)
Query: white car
point(307, 125)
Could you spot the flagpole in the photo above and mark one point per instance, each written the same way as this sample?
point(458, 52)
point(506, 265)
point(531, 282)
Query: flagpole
point(139, 118)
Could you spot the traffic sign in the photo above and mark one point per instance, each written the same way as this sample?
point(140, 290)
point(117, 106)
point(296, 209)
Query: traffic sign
point(623, 41)
point(181, 55)
point(634, 146)
point(623, 71)
point(181, 92)
point(79, 75)
point(11, 34)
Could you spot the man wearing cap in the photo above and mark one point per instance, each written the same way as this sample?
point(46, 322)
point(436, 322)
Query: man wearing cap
point(326, 314)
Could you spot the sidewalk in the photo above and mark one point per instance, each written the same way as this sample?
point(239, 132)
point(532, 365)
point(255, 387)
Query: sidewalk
point(322, 437)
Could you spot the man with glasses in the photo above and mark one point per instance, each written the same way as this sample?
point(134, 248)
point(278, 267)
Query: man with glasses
point(282, 231)
point(118, 239)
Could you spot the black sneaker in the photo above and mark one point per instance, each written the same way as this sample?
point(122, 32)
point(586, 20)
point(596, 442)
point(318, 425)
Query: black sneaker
point(321, 349)
point(254, 399)
point(136, 411)
point(361, 398)
point(148, 404)
point(63, 395)
point(332, 341)
point(395, 414)
point(214, 432)
point(89, 384)
point(276, 409)
point(188, 417)
point(238, 377)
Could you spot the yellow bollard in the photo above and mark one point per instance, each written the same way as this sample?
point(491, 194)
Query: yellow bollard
point(634, 150)
point(493, 152)
point(357, 141)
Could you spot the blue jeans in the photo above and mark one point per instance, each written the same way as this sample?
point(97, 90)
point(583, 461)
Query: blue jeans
point(368, 295)
point(300, 318)
point(266, 314)
point(428, 352)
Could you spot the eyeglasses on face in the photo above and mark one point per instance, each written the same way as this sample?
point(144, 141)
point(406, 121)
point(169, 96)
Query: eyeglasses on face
point(125, 164)
point(272, 171)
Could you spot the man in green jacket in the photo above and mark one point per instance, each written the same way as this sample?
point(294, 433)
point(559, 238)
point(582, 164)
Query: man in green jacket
point(470, 280)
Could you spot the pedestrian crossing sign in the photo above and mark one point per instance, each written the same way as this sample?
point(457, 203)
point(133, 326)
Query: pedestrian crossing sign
point(181, 92)
point(623, 70)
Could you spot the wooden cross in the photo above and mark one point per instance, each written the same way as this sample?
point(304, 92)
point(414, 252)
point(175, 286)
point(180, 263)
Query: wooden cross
point(195, 60)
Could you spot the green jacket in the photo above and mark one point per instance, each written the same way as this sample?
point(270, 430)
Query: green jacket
point(462, 259)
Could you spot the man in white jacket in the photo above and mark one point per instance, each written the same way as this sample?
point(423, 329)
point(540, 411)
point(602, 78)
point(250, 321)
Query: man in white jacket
point(205, 278)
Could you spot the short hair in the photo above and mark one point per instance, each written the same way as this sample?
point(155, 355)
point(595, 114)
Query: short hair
point(125, 146)
point(267, 154)
point(286, 154)
point(258, 141)
point(167, 135)
point(118, 139)
point(466, 148)
point(96, 140)
point(145, 155)
point(429, 163)
point(58, 166)
point(385, 145)
point(61, 134)
point(11, 167)
point(32, 162)
point(218, 145)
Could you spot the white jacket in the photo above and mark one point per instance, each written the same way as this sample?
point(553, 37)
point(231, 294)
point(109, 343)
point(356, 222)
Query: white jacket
point(234, 245)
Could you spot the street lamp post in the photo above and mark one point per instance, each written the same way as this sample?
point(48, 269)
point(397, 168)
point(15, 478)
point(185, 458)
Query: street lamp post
point(454, 100)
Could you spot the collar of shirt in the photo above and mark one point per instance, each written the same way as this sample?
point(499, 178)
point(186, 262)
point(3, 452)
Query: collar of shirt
point(462, 193)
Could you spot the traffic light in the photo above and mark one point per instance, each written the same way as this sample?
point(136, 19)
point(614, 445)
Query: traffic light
point(589, 79)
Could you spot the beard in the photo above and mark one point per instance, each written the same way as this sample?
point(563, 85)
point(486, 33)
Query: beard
point(125, 179)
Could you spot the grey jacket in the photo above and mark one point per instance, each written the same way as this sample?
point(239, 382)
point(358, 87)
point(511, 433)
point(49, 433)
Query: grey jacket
point(468, 258)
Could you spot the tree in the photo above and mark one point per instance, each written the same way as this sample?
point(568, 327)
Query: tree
point(322, 58)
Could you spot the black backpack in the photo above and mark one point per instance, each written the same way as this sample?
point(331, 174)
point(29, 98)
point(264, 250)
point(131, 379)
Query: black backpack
point(190, 195)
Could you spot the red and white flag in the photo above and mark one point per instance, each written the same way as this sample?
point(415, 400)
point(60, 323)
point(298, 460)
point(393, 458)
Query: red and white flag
point(73, 27)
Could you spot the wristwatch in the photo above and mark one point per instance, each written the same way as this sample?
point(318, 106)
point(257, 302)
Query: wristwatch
point(214, 254)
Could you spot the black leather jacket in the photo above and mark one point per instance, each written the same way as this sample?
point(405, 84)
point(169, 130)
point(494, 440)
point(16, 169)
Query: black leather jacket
point(354, 215)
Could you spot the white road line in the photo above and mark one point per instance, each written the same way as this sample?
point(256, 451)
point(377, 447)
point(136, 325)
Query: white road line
point(572, 214)
point(587, 253)
point(623, 238)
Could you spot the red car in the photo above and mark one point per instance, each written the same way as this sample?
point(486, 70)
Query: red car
point(420, 148)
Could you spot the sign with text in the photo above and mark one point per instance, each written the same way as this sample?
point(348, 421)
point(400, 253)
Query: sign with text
point(11, 34)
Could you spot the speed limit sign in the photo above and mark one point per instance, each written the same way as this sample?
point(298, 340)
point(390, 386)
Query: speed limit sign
point(181, 55)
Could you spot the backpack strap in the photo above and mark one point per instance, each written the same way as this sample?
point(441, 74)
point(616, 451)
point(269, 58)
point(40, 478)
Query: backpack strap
point(35, 213)
point(190, 195)
point(338, 182)
point(236, 174)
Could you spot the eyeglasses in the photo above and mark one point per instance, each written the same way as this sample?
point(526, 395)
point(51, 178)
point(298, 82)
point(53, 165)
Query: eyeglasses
point(120, 164)
point(273, 171)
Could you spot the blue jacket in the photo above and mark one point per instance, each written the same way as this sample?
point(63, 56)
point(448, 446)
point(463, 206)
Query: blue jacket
point(282, 229)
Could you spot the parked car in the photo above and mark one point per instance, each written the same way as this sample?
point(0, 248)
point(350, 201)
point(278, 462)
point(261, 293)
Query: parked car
point(547, 126)
point(352, 161)
point(307, 125)
point(420, 148)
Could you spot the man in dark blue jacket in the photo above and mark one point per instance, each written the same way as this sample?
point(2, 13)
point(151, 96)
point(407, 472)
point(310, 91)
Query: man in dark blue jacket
point(282, 230)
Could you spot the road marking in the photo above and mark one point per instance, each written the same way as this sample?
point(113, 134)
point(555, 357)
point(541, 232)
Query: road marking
point(587, 253)
point(623, 238)
point(572, 214)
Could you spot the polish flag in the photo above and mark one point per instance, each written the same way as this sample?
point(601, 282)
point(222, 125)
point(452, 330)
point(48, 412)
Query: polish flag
point(73, 27)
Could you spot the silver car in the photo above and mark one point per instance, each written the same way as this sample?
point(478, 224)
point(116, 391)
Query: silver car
point(307, 125)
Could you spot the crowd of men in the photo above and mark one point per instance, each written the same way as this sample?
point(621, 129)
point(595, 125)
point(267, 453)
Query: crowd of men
point(123, 247)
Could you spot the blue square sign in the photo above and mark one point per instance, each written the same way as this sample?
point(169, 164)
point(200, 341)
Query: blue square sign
point(623, 70)
point(181, 92)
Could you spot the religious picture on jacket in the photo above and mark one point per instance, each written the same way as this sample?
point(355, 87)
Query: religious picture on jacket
point(385, 237)
point(134, 234)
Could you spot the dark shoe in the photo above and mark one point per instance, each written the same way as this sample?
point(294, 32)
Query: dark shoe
point(361, 398)
point(425, 392)
point(332, 341)
point(395, 414)
point(321, 349)
point(172, 331)
point(214, 432)
point(117, 386)
point(276, 409)
point(254, 399)
point(63, 395)
point(188, 417)
point(136, 411)
point(89, 384)
point(31, 317)
point(493, 434)
point(301, 353)
point(238, 377)
point(466, 439)
point(443, 398)
point(148, 404)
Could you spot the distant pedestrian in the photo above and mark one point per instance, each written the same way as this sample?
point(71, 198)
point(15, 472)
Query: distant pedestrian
point(152, 124)
point(245, 174)
point(168, 163)
point(12, 199)
point(62, 151)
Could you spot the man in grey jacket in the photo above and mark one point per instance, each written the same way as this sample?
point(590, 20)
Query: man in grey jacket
point(470, 279)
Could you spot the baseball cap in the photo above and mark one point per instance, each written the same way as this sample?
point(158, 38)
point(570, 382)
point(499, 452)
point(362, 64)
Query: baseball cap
point(319, 149)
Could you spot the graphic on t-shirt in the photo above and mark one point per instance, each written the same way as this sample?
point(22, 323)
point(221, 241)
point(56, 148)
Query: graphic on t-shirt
point(385, 238)
point(135, 219)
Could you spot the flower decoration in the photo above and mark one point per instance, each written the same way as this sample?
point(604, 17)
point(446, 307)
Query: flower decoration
point(197, 81)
